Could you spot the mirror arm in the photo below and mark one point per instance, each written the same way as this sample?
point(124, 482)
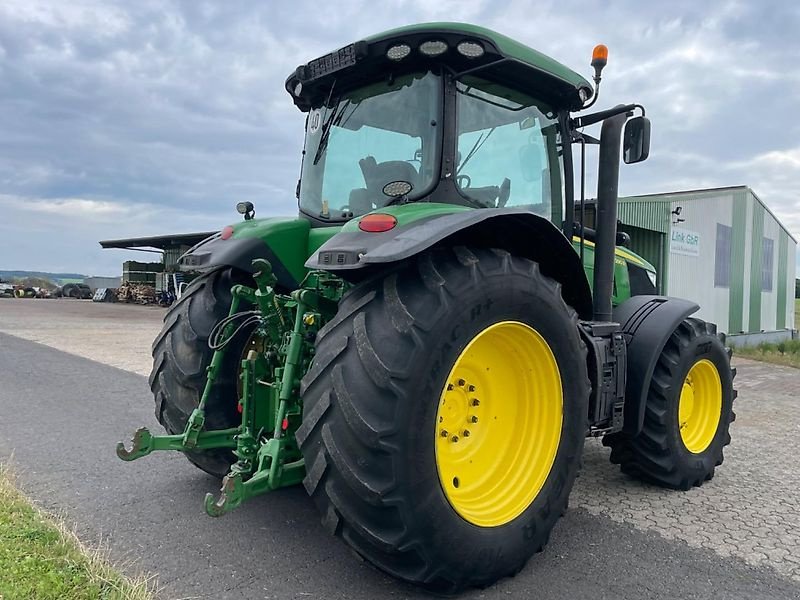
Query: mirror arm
point(602, 115)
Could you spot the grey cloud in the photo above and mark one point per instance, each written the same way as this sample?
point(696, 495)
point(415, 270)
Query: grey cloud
point(178, 108)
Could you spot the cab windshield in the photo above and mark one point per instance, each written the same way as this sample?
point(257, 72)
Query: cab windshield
point(361, 141)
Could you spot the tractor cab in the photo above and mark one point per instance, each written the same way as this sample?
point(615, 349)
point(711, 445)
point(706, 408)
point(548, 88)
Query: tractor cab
point(434, 113)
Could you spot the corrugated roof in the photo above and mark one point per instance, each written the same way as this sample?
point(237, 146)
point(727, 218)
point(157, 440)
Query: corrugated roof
point(661, 195)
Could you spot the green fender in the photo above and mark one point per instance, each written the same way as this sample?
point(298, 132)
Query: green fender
point(285, 242)
point(354, 254)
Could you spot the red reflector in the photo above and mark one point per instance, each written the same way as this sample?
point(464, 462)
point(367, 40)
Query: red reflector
point(239, 407)
point(377, 223)
point(285, 424)
point(226, 232)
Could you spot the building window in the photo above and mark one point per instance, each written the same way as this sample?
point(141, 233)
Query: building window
point(722, 257)
point(766, 264)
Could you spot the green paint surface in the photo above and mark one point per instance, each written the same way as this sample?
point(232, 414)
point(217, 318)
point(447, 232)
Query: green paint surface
point(290, 238)
point(293, 240)
point(781, 290)
point(318, 236)
point(510, 48)
point(756, 257)
point(738, 235)
point(622, 284)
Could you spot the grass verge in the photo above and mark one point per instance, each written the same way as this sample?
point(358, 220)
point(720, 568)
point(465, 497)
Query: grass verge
point(781, 353)
point(40, 558)
point(796, 313)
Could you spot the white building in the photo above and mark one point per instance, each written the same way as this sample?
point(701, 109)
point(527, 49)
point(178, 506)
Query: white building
point(724, 249)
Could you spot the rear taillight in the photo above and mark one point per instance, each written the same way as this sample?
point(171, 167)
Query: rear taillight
point(377, 223)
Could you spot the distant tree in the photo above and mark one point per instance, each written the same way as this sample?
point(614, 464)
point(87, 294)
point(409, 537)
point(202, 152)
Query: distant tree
point(797, 288)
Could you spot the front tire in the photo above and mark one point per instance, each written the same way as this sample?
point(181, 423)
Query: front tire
point(688, 413)
point(181, 356)
point(452, 326)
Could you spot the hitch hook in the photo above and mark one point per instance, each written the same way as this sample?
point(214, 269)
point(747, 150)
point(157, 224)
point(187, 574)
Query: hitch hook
point(142, 445)
point(231, 496)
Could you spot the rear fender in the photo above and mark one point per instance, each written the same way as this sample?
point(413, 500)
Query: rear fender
point(284, 242)
point(355, 255)
point(647, 323)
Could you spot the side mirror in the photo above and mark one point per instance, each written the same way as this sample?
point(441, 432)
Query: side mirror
point(530, 162)
point(636, 140)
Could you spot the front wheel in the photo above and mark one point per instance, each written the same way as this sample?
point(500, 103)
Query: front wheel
point(688, 413)
point(444, 417)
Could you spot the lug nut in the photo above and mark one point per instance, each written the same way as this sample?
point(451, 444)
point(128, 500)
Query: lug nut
point(443, 433)
point(449, 387)
point(476, 402)
point(474, 419)
point(461, 382)
point(471, 388)
point(454, 439)
point(466, 433)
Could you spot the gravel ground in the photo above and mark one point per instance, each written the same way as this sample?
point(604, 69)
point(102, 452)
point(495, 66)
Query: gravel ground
point(149, 516)
point(118, 335)
point(750, 510)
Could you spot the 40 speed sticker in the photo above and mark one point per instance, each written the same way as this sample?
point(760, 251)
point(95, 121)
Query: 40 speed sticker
point(314, 121)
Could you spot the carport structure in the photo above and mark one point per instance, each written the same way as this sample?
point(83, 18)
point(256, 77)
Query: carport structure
point(170, 247)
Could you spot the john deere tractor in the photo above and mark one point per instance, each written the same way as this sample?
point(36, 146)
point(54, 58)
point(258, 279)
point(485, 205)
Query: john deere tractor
point(426, 346)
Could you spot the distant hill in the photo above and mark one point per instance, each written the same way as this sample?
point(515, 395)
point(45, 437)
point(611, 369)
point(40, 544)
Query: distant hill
point(57, 278)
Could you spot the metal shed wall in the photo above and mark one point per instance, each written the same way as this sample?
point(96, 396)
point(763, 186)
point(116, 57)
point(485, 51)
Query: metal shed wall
point(742, 306)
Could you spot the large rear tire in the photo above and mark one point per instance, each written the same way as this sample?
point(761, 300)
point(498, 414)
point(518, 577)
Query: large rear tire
point(181, 356)
point(445, 415)
point(688, 413)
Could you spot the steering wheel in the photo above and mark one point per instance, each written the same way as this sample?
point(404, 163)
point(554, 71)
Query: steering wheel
point(467, 181)
point(505, 193)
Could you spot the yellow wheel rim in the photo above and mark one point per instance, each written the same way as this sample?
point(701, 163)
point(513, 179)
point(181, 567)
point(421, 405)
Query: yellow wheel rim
point(700, 406)
point(498, 424)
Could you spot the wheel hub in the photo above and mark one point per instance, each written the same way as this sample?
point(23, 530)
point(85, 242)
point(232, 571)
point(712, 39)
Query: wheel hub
point(459, 411)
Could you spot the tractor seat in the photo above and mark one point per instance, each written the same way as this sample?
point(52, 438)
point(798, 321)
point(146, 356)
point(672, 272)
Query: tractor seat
point(377, 175)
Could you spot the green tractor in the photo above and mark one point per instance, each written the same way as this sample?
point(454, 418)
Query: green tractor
point(428, 344)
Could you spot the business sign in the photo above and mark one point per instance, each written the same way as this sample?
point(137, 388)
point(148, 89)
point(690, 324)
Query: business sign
point(684, 242)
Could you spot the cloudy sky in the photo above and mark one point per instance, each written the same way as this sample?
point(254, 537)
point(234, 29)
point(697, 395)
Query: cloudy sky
point(128, 118)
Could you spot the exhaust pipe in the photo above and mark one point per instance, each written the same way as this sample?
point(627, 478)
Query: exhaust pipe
point(606, 219)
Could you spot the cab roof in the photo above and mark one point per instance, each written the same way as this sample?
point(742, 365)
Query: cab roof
point(504, 60)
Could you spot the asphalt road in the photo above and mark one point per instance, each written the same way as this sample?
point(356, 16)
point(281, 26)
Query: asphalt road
point(61, 415)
